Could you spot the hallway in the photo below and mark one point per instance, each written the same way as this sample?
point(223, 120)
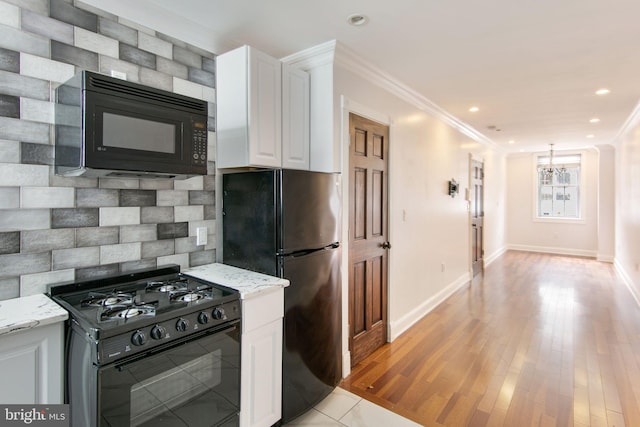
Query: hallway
point(540, 340)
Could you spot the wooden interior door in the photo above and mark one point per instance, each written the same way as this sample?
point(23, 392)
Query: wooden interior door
point(477, 216)
point(368, 236)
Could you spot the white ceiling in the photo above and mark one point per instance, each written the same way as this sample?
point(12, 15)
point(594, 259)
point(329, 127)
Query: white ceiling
point(532, 67)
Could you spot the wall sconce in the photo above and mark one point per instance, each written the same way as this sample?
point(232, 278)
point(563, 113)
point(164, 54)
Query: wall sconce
point(454, 188)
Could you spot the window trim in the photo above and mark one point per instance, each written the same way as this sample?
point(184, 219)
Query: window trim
point(583, 190)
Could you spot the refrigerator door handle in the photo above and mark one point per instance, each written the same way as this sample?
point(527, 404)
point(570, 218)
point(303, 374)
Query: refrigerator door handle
point(299, 253)
point(304, 252)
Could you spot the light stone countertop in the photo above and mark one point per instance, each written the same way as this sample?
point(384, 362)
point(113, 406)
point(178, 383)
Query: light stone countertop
point(29, 312)
point(249, 283)
point(19, 314)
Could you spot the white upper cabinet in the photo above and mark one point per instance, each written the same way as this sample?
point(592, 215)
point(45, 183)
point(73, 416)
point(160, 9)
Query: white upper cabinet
point(253, 91)
point(295, 118)
point(249, 109)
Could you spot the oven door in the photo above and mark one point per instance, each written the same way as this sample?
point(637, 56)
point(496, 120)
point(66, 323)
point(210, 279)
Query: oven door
point(196, 383)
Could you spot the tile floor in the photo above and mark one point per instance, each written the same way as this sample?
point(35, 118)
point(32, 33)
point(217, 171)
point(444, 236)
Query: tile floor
point(342, 408)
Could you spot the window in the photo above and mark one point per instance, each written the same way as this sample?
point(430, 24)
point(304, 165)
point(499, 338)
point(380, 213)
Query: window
point(559, 187)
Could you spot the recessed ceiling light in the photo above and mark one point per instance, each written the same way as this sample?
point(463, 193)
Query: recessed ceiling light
point(590, 136)
point(357, 19)
point(474, 109)
point(594, 120)
point(512, 142)
point(603, 91)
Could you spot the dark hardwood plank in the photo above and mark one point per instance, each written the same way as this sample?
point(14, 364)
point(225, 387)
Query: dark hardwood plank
point(537, 340)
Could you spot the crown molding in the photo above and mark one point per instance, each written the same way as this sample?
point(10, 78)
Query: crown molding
point(316, 56)
point(351, 61)
point(336, 53)
point(629, 125)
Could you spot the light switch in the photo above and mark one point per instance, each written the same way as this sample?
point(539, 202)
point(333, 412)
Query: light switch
point(201, 236)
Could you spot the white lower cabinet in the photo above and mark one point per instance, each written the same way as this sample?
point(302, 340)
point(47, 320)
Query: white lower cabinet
point(31, 366)
point(261, 372)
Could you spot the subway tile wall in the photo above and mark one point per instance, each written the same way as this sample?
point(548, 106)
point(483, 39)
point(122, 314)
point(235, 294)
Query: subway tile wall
point(55, 229)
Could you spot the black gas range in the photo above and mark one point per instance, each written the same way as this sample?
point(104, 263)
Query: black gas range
point(130, 313)
point(151, 347)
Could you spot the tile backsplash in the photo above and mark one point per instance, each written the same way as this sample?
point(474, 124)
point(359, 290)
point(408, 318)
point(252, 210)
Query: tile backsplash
point(53, 228)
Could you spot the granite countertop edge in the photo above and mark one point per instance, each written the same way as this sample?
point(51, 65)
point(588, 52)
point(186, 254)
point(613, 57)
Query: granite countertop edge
point(29, 312)
point(249, 283)
point(33, 311)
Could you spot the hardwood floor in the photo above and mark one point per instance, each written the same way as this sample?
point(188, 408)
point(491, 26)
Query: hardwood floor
point(540, 340)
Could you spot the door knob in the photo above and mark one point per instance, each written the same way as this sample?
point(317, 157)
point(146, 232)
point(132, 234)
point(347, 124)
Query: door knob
point(385, 245)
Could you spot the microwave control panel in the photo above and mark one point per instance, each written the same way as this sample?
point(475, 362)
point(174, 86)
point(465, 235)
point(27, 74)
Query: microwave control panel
point(199, 155)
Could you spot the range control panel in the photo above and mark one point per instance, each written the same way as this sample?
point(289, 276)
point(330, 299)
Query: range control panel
point(163, 332)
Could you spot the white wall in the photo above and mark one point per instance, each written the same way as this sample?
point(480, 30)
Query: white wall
point(570, 237)
point(495, 188)
point(628, 205)
point(606, 203)
point(427, 227)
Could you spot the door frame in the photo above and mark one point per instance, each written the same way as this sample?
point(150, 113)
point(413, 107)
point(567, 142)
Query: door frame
point(348, 106)
point(470, 218)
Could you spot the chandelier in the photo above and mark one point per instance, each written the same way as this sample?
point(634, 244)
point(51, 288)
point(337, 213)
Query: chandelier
point(550, 170)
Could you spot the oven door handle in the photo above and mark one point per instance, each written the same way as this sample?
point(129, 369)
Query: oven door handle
point(227, 327)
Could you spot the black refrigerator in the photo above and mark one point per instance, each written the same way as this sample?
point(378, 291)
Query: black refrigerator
point(286, 223)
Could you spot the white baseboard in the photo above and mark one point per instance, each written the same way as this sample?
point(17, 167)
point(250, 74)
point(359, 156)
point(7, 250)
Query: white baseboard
point(405, 322)
point(494, 256)
point(626, 279)
point(554, 250)
point(346, 364)
point(606, 258)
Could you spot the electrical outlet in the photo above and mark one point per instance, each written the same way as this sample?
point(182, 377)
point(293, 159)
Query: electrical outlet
point(201, 236)
point(442, 267)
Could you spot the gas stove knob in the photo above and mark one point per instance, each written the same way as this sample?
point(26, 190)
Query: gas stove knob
point(158, 332)
point(182, 325)
point(203, 318)
point(218, 313)
point(138, 338)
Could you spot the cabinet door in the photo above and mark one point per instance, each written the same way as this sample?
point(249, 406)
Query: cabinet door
point(31, 366)
point(261, 383)
point(295, 118)
point(265, 110)
point(232, 131)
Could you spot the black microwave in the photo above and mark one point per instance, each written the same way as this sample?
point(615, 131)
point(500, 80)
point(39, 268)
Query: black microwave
point(108, 127)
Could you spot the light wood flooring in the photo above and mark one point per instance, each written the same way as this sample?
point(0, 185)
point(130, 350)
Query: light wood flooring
point(538, 340)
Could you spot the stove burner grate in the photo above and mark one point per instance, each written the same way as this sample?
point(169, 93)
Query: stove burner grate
point(96, 299)
point(127, 312)
point(189, 296)
point(167, 285)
